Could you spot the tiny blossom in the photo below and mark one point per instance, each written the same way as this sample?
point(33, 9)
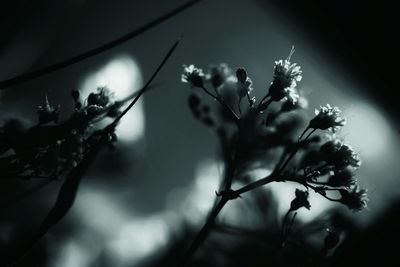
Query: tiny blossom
point(291, 95)
point(343, 177)
point(286, 76)
point(244, 83)
point(301, 200)
point(356, 199)
point(327, 117)
point(340, 155)
point(192, 75)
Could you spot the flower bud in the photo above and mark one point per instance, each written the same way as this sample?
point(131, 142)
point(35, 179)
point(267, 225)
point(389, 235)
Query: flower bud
point(241, 75)
point(301, 200)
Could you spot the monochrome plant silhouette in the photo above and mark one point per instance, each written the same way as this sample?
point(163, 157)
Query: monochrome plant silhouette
point(63, 150)
point(270, 133)
point(267, 134)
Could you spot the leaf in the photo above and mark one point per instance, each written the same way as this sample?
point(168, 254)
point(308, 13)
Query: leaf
point(67, 193)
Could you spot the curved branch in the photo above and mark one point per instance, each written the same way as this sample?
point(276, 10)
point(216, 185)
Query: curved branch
point(95, 51)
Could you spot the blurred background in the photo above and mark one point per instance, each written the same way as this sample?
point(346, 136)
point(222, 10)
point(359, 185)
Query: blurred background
point(165, 170)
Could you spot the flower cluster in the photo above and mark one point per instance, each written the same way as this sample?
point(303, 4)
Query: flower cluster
point(192, 75)
point(340, 155)
point(342, 177)
point(266, 137)
point(327, 117)
point(286, 77)
point(333, 164)
point(355, 199)
point(48, 150)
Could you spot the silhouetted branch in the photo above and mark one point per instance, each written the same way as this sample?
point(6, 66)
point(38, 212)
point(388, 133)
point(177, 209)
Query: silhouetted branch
point(68, 190)
point(96, 51)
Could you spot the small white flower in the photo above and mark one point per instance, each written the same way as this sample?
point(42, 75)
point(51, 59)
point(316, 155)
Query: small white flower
point(286, 76)
point(327, 117)
point(291, 95)
point(287, 73)
point(192, 75)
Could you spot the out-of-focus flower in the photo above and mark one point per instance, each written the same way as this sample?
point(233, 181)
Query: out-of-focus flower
point(355, 199)
point(343, 177)
point(340, 155)
point(286, 76)
point(327, 117)
point(218, 75)
point(244, 83)
point(102, 98)
point(192, 75)
point(301, 200)
point(48, 113)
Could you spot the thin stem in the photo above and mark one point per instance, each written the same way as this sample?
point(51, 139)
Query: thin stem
point(320, 168)
point(319, 192)
point(248, 98)
point(227, 183)
point(284, 223)
point(285, 233)
point(302, 134)
point(309, 134)
point(256, 184)
point(262, 101)
point(204, 232)
point(316, 182)
point(28, 177)
point(202, 235)
point(209, 93)
point(297, 148)
point(145, 87)
point(222, 102)
point(277, 166)
point(95, 51)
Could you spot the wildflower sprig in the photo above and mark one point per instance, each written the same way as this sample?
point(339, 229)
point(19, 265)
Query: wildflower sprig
point(27, 143)
point(286, 77)
point(261, 129)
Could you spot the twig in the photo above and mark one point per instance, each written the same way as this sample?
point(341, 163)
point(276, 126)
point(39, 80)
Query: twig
point(251, 186)
point(93, 52)
point(297, 148)
point(205, 230)
point(145, 87)
point(234, 116)
point(262, 101)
